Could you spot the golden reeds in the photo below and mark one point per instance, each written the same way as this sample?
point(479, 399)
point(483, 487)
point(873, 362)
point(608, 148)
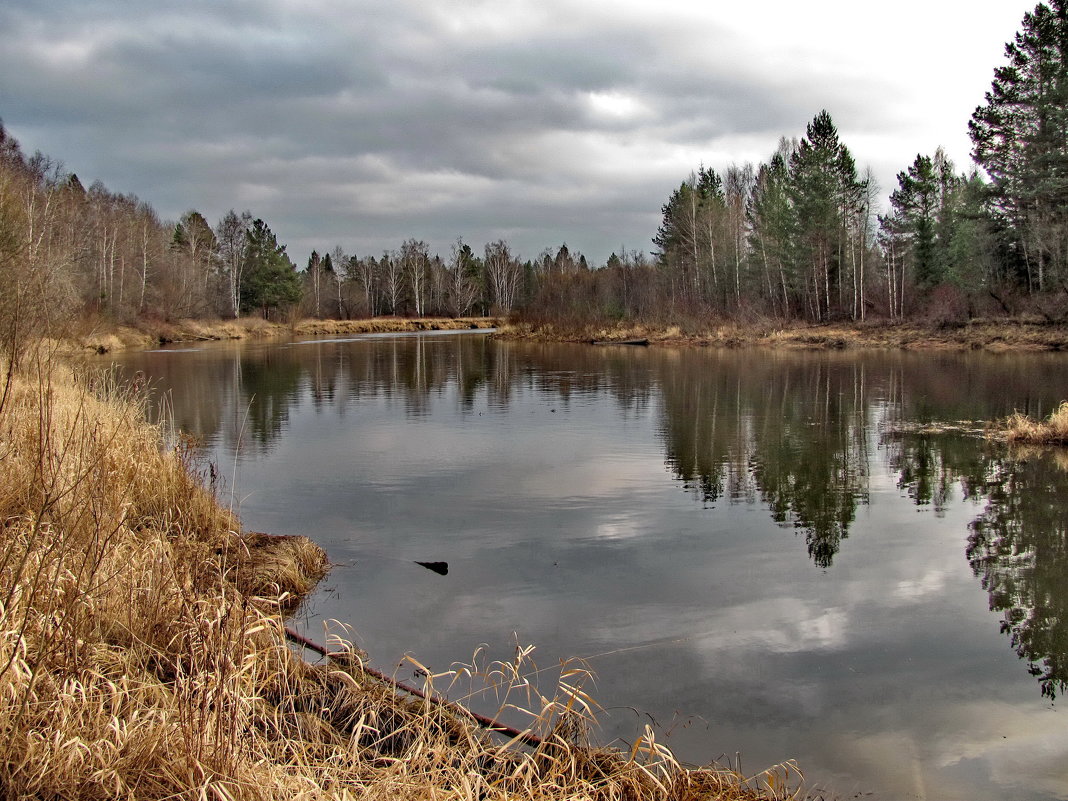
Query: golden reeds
point(1024, 430)
point(142, 652)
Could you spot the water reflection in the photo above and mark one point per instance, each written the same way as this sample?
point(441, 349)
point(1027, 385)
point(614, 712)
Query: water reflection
point(1018, 544)
point(735, 536)
point(796, 436)
point(1019, 549)
point(792, 434)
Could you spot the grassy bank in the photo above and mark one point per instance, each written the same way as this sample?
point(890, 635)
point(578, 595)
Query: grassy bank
point(981, 334)
point(103, 337)
point(142, 653)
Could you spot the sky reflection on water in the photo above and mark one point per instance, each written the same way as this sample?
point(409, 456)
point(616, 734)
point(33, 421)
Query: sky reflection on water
point(737, 539)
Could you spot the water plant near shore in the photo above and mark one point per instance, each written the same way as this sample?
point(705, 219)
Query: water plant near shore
point(1022, 429)
point(142, 652)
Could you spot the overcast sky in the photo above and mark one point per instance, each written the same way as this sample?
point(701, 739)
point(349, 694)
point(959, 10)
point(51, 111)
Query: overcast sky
point(362, 123)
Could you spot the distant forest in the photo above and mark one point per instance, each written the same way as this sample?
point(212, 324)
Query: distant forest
point(799, 237)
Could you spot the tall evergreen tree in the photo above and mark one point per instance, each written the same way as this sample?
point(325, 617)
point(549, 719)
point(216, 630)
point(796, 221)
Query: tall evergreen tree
point(916, 204)
point(823, 191)
point(1020, 137)
point(771, 221)
point(270, 278)
point(971, 248)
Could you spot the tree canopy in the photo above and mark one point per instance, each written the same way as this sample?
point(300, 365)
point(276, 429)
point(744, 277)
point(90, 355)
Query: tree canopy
point(1020, 137)
point(270, 278)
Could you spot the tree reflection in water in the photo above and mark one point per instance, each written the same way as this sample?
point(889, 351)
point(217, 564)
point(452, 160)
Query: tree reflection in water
point(797, 433)
point(1017, 546)
point(792, 434)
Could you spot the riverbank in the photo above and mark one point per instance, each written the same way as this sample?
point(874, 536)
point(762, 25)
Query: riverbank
point(143, 655)
point(995, 335)
point(106, 338)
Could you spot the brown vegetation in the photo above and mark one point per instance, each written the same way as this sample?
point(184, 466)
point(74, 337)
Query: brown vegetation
point(148, 333)
point(387, 325)
point(142, 652)
point(1024, 430)
point(996, 335)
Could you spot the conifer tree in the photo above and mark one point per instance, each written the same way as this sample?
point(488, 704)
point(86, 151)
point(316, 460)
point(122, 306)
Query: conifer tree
point(823, 191)
point(771, 223)
point(916, 203)
point(270, 278)
point(1020, 137)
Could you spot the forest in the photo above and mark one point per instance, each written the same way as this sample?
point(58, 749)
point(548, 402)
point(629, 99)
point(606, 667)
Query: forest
point(801, 237)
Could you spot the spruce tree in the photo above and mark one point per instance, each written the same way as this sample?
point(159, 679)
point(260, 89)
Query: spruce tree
point(771, 225)
point(1020, 137)
point(823, 191)
point(270, 278)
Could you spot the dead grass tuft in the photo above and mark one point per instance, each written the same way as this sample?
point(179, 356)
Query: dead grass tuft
point(282, 567)
point(142, 652)
point(1021, 429)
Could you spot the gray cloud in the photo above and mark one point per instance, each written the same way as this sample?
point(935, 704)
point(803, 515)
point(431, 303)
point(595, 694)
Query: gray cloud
point(361, 124)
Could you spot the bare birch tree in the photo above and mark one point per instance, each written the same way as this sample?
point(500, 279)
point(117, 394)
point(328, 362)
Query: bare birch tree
point(503, 272)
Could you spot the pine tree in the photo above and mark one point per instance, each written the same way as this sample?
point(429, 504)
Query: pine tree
point(823, 191)
point(1020, 137)
point(771, 221)
point(270, 278)
point(916, 203)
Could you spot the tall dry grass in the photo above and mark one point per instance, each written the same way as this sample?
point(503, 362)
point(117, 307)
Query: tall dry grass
point(142, 653)
point(1020, 428)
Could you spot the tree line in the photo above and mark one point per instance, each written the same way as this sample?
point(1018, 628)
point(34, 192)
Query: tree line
point(798, 237)
point(68, 252)
point(801, 236)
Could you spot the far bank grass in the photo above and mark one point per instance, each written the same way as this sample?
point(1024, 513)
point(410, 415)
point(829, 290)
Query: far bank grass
point(102, 337)
point(142, 653)
point(994, 335)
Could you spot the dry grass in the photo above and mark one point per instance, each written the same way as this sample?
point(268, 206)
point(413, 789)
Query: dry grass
point(142, 653)
point(103, 337)
point(989, 335)
point(1024, 430)
point(614, 332)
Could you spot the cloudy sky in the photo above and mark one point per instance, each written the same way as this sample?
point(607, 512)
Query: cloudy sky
point(364, 123)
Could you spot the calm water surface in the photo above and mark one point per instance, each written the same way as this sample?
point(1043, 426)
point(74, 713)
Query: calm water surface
point(743, 544)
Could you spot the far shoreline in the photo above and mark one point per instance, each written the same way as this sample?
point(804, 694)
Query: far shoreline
point(1007, 335)
point(102, 337)
point(993, 335)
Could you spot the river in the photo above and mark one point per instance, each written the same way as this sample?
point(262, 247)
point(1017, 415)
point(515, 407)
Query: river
point(762, 555)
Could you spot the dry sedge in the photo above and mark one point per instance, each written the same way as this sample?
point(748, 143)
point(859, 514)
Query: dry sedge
point(142, 651)
point(1025, 430)
point(1008, 334)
